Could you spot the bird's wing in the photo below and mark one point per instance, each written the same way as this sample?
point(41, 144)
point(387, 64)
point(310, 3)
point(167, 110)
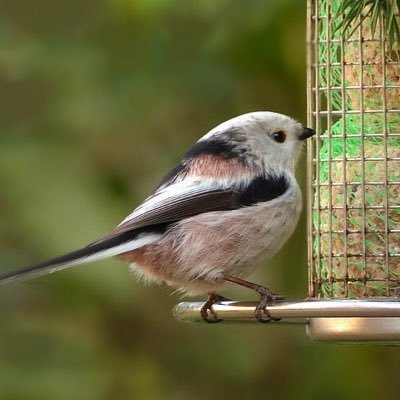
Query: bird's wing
point(178, 201)
point(169, 204)
point(188, 197)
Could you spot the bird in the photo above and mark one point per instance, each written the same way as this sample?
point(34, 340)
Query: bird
point(227, 207)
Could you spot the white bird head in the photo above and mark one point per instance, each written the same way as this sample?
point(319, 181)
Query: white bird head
point(271, 140)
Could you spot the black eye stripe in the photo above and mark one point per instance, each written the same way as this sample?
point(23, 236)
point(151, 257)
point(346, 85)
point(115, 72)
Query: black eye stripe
point(279, 136)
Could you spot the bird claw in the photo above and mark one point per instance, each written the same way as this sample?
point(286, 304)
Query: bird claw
point(267, 298)
point(207, 307)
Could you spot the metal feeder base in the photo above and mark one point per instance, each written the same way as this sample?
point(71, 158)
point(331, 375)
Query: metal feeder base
point(354, 329)
point(336, 320)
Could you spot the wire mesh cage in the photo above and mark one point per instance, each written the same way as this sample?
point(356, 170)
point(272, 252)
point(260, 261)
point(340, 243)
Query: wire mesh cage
point(354, 162)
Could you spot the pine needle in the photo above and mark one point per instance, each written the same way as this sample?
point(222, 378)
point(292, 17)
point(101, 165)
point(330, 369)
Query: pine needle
point(353, 12)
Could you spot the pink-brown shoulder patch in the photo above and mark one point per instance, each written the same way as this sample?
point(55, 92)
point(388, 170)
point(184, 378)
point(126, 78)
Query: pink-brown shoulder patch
point(209, 166)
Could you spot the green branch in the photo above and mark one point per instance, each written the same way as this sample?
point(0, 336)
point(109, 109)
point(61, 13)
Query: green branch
point(353, 12)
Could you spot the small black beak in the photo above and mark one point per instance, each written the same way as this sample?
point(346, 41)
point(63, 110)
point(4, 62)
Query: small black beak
point(307, 133)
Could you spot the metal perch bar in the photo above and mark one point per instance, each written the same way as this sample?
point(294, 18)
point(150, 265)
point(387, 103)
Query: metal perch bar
point(298, 311)
point(363, 320)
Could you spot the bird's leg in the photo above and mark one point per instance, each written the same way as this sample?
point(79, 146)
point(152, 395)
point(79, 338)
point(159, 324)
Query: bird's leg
point(212, 299)
point(266, 297)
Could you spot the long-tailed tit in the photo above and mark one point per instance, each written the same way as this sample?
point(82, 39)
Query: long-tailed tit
point(231, 203)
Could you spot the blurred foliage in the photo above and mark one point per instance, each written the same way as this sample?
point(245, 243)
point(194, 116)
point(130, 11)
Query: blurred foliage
point(97, 100)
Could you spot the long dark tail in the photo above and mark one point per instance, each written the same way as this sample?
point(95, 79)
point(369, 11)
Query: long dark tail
point(101, 249)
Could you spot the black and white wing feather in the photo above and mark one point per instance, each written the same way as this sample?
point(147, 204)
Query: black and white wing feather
point(164, 207)
point(169, 204)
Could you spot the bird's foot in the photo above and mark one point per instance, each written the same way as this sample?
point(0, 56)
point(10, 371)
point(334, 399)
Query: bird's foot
point(267, 298)
point(207, 307)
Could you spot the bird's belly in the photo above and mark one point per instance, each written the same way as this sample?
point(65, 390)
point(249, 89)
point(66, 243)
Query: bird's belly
point(236, 242)
point(197, 251)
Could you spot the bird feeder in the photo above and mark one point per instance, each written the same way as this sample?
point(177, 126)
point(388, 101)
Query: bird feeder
point(354, 162)
point(353, 90)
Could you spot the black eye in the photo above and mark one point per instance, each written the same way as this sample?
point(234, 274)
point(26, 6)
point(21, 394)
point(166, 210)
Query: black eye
point(279, 136)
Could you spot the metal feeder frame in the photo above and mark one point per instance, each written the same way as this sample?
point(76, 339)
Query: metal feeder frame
point(332, 319)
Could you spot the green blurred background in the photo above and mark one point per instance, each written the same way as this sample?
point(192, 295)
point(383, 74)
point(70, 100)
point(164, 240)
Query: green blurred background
point(98, 99)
